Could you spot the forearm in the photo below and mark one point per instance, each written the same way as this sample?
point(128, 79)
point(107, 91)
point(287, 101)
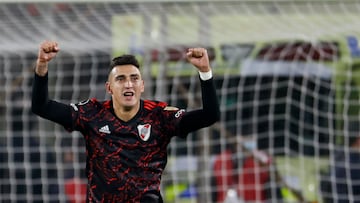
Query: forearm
point(209, 99)
point(41, 68)
point(48, 109)
point(208, 115)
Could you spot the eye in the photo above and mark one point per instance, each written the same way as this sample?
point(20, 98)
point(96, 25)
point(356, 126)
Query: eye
point(120, 78)
point(135, 78)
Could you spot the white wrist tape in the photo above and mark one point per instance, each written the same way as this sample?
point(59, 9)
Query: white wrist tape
point(205, 75)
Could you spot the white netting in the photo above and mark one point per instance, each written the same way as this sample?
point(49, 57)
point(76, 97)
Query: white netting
point(286, 74)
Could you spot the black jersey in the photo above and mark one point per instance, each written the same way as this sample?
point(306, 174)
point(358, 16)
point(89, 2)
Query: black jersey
point(125, 159)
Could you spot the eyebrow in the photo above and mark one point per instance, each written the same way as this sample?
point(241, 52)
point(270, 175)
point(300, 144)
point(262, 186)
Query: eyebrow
point(123, 75)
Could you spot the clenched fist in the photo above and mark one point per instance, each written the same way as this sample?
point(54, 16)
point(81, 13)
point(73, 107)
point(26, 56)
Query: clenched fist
point(199, 58)
point(47, 51)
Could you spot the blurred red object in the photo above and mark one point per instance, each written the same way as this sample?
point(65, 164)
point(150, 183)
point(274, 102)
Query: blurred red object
point(75, 190)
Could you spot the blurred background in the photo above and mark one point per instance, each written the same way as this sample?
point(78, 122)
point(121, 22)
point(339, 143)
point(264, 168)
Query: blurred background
point(286, 73)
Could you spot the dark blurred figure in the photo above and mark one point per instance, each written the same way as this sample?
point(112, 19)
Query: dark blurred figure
point(341, 183)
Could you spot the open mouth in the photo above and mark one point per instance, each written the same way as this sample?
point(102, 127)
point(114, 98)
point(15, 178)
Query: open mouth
point(128, 94)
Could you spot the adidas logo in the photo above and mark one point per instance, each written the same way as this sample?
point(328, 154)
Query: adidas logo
point(105, 129)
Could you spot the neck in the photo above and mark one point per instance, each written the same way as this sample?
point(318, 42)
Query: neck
point(126, 113)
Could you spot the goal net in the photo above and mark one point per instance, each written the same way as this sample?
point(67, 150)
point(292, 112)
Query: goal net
point(287, 79)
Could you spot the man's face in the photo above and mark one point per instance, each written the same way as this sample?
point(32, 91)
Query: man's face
point(125, 86)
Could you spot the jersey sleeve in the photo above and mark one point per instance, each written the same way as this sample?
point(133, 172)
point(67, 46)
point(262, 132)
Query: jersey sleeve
point(172, 120)
point(183, 122)
point(80, 113)
point(46, 108)
point(204, 117)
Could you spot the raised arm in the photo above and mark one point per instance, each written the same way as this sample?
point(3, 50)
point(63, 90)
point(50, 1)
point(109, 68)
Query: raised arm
point(40, 102)
point(210, 112)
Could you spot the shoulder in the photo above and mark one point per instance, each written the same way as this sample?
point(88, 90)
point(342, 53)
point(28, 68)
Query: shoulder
point(163, 109)
point(92, 103)
point(152, 105)
point(171, 108)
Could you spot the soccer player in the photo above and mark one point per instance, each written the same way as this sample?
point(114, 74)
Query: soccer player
point(126, 136)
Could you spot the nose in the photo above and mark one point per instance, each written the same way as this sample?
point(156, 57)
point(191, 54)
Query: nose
point(128, 83)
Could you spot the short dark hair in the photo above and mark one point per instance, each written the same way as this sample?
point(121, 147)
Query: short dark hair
point(125, 59)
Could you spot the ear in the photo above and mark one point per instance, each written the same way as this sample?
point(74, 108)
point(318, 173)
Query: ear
point(142, 86)
point(108, 88)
